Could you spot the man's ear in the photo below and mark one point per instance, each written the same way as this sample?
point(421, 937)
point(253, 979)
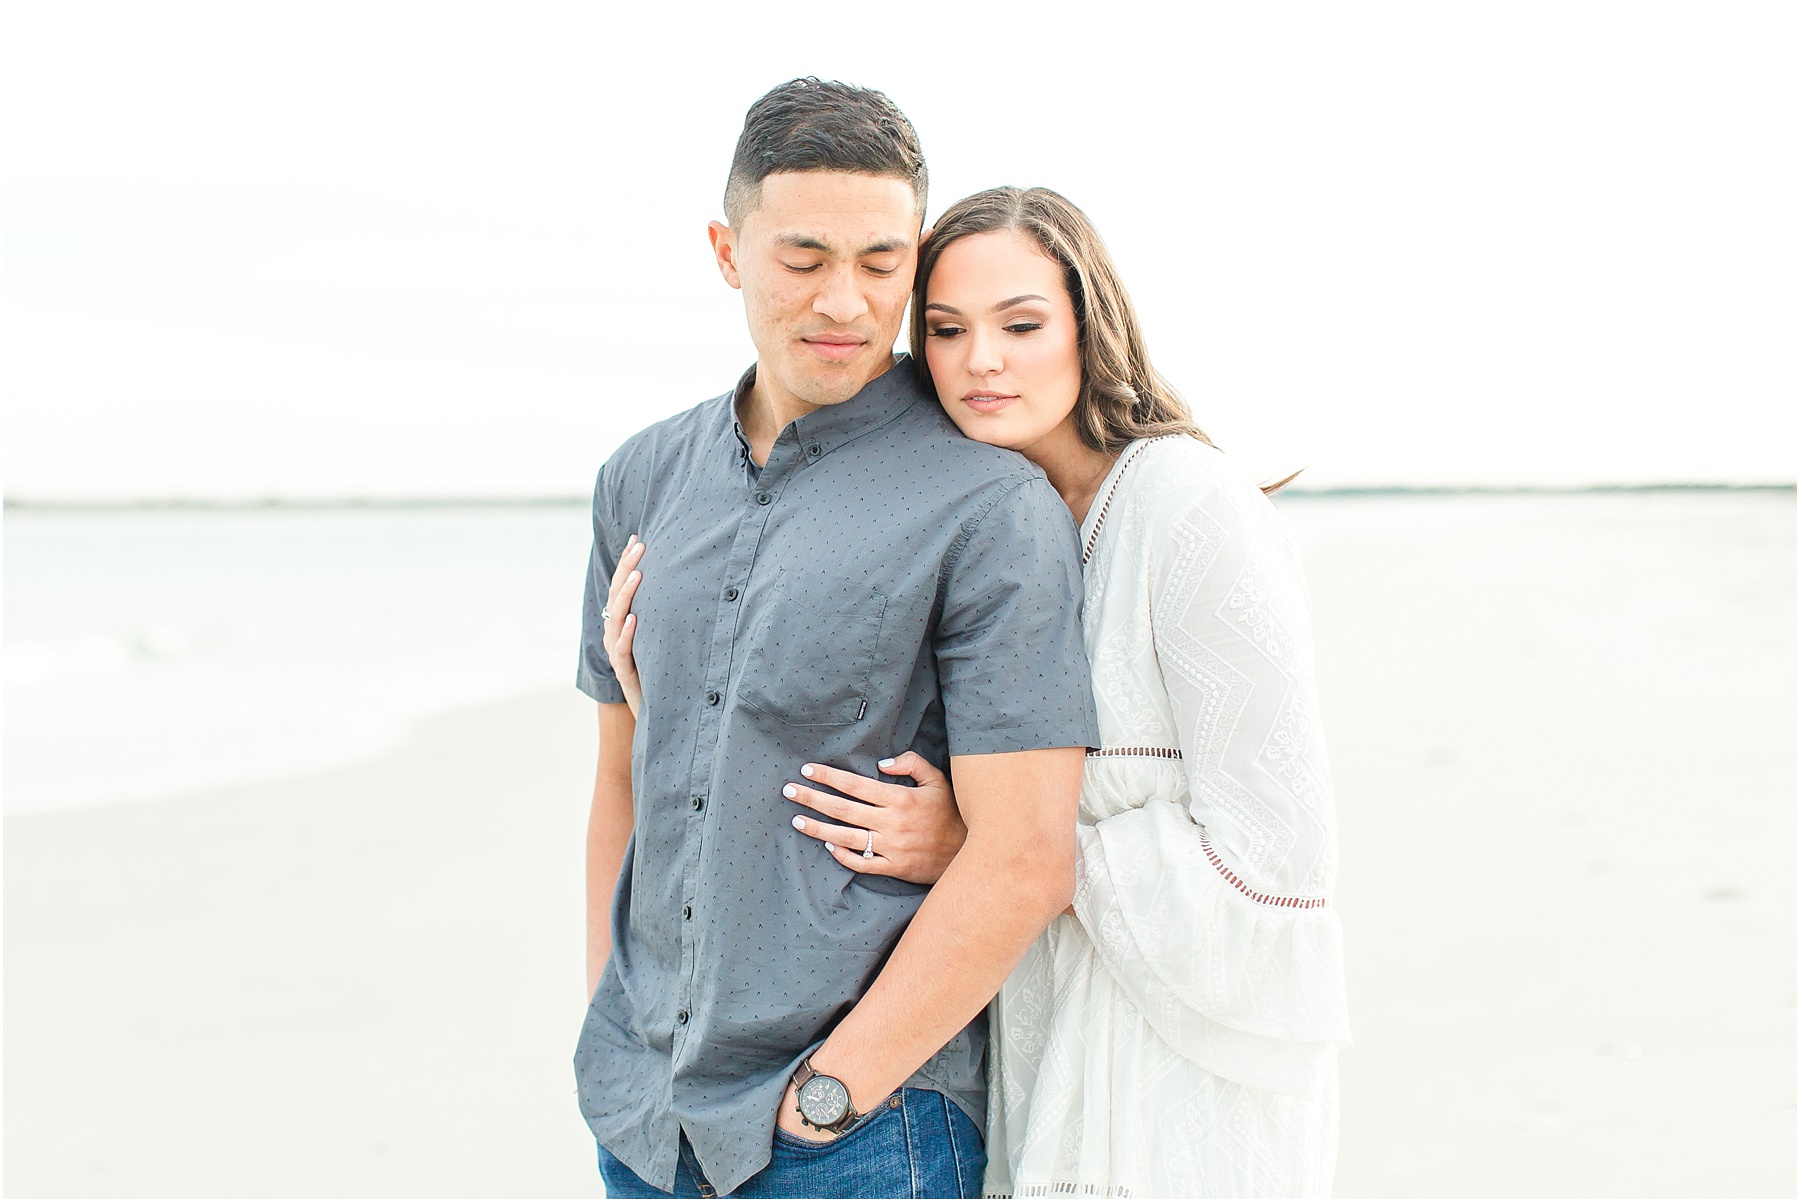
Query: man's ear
point(924, 236)
point(724, 245)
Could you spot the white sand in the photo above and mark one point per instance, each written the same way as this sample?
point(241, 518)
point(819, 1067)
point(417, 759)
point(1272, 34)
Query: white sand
point(1563, 738)
point(366, 983)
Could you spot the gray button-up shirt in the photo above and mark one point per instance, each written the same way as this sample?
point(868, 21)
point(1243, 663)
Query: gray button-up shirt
point(881, 583)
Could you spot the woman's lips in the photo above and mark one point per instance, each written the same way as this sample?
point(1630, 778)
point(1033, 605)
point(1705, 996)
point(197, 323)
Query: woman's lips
point(988, 402)
point(837, 352)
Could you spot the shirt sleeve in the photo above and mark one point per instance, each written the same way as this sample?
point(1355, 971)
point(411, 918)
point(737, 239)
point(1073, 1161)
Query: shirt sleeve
point(1210, 910)
point(593, 674)
point(1011, 667)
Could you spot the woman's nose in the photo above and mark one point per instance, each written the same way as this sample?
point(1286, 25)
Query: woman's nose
point(984, 353)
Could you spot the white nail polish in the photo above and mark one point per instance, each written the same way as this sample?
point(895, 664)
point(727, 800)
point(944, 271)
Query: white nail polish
point(806, 770)
point(799, 823)
point(830, 847)
point(790, 792)
point(884, 763)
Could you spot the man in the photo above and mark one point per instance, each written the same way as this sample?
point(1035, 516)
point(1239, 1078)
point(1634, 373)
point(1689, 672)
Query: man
point(831, 574)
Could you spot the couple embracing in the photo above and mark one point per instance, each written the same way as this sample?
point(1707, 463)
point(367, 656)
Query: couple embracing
point(962, 822)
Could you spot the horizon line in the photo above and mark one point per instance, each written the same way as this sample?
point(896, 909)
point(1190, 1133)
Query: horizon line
point(547, 501)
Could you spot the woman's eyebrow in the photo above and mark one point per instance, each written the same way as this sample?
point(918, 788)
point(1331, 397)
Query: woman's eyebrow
point(1009, 302)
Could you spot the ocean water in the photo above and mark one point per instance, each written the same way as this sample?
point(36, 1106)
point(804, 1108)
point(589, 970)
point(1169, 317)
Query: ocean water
point(154, 653)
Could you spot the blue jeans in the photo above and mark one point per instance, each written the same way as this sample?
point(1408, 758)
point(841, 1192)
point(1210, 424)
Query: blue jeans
point(917, 1144)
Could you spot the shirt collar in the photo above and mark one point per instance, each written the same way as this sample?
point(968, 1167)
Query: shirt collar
point(824, 430)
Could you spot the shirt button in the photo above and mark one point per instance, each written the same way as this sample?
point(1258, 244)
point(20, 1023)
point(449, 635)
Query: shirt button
point(815, 450)
point(687, 913)
point(681, 1017)
point(699, 803)
point(712, 697)
point(763, 498)
point(731, 594)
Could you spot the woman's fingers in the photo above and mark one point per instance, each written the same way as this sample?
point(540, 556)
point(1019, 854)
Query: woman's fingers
point(835, 807)
point(861, 787)
point(911, 763)
point(825, 832)
point(627, 592)
point(876, 865)
point(622, 662)
point(624, 581)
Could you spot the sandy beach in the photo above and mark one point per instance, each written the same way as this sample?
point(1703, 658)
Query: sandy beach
point(366, 983)
point(1562, 734)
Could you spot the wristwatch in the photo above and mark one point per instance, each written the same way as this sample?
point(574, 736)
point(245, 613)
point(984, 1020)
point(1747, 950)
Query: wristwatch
point(823, 1102)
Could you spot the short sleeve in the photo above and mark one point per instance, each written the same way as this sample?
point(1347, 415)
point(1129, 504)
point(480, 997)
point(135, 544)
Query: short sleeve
point(594, 674)
point(1012, 670)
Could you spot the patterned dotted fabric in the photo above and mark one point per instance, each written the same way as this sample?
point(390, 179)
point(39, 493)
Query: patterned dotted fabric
point(880, 584)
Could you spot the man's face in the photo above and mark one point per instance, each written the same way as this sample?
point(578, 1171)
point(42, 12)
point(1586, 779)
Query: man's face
point(825, 263)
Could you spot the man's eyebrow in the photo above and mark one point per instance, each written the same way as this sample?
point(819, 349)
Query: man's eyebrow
point(802, 242)
point(886, 246)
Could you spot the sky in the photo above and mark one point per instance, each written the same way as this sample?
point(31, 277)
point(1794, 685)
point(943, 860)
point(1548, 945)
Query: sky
point(386, 250)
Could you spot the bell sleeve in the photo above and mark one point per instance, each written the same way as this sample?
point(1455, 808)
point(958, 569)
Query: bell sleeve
point(1211, 907)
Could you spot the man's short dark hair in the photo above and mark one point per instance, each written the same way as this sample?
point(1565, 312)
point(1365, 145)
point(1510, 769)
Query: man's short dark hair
point(822, 125)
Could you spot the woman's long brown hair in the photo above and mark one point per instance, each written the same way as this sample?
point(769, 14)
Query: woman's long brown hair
point(1122, 396)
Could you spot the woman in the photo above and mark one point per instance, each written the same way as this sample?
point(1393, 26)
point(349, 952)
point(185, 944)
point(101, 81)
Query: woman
point(1175, 1032)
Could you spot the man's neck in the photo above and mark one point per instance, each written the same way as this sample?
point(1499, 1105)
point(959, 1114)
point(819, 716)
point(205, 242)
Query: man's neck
point(769, 409)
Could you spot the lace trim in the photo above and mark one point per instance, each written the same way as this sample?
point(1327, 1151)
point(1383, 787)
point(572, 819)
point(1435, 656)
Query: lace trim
point(1154, 753)
point(1070, 1189)
point(1267, 899)
point(1094, 537)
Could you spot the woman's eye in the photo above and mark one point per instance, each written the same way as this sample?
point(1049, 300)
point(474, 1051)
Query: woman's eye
point(1024, 327)
point(946, 331)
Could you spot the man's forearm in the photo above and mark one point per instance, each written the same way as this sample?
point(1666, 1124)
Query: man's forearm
point(1004, 887)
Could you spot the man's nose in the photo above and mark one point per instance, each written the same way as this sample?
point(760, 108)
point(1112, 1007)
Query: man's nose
point(840, 299)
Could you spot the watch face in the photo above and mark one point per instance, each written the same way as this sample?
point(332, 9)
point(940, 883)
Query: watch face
point(823, 1101)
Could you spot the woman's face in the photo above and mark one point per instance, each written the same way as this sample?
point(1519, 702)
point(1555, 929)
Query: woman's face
point(1001, 340)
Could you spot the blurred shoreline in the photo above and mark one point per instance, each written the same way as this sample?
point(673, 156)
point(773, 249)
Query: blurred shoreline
point(1296, 489)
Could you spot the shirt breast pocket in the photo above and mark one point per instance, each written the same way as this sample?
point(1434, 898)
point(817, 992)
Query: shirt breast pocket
point(811, 655)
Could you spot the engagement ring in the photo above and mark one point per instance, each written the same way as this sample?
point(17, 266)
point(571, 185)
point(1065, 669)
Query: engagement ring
point(868, 852)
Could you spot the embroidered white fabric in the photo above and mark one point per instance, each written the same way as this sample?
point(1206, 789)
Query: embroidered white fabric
point(1178, 1037)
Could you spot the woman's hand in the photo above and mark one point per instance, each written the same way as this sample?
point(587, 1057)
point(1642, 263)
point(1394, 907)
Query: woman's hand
point(621, 623)
point(914, 832)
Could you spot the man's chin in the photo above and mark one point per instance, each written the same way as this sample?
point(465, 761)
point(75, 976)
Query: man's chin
point(824, 382)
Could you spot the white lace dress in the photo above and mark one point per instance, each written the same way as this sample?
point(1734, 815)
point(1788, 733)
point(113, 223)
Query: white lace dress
point(1178, 1037)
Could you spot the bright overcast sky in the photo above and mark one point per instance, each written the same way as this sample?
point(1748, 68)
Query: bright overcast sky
point(272, 249)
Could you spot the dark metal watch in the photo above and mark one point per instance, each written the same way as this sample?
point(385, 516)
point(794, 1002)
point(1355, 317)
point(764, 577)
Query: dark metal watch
point(823, 1102)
